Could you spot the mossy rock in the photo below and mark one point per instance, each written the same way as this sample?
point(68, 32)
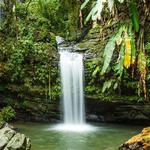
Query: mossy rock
point(138, 142)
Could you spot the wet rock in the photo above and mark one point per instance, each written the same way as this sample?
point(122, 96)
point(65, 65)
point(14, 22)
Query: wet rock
point(92, 117)
point(138, 142)
point(117, 111)
point(1, 124)
point(5, 136)
point(59, 39)
point(12, 140)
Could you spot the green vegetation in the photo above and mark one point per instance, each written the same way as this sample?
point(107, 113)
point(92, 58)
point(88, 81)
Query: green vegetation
point(126, 47)
point(118, 39)
point(7, 114)
point(27, 51)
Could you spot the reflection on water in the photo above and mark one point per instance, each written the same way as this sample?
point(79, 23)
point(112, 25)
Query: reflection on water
point(105, 137)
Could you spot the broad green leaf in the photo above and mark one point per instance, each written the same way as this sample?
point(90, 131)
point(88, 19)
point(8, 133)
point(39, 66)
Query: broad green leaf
point(133, 46)
point(108, 53)
point(109, 49)
point(134, 15)
point(107, 84)
point(119, 66)
point(96, 71)
point(84, 4)
point(89, 15)
point(97, 8)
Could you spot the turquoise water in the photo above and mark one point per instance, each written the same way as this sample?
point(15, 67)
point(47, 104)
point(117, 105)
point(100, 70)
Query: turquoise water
point(105, 137)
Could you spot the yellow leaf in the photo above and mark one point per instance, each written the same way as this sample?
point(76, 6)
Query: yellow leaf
point(127, 56)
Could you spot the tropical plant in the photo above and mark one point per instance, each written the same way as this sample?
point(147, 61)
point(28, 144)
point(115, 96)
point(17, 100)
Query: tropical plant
point(129, 39)
point(97, 8)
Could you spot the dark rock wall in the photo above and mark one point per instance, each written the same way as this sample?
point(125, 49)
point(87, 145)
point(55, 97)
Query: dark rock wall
point(118, 112)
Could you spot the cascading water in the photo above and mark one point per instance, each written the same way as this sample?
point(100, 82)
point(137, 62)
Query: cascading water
point(72, 75)
point(71, 65)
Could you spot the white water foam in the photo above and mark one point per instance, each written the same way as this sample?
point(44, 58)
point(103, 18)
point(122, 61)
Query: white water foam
point(71, 65)
point(74, 128)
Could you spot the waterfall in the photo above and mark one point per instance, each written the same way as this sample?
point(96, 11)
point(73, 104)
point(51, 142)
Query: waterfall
point(72, 79)
point(71, 65)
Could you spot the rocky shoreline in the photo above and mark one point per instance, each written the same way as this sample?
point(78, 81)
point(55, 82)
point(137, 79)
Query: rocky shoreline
point(118, 112)
point(96, 111)
point(12, 140)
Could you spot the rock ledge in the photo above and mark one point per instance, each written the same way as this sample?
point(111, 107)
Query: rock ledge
point(138, 142)
point(12, 140)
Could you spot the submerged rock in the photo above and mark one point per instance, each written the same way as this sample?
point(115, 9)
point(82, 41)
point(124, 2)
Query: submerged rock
point(138, 142)
point(12, 140)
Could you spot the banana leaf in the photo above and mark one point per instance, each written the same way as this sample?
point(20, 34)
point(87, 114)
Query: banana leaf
point(134, 15)
point(84, 4)
point(108, 53)
point(109, 49)
point(127, 56)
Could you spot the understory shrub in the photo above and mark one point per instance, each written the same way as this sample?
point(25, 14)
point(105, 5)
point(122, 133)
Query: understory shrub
point(7, 114)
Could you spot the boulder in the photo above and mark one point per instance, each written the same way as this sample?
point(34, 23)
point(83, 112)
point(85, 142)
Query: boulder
point(5, 135)
point(12, 140)
point(138, 142)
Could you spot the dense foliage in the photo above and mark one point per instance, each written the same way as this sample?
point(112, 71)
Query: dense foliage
point(127, 45)
point(27, 49)
point(29, 73)
point(7, 114)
